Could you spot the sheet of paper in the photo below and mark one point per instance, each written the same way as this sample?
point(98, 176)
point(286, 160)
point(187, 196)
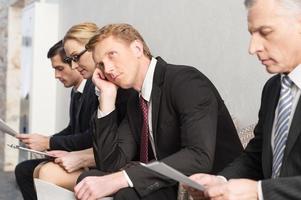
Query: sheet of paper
point(49, 191)
point(170, 172)
point(6, 129)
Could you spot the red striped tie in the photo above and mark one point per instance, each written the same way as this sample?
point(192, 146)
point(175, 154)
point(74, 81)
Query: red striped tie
point(144, 131)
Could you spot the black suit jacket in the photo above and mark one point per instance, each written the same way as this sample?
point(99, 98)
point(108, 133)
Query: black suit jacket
point(77, 135)
point(256, 161)
point(192, 129)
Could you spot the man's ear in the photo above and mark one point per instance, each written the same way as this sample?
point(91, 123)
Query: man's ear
point(137, 48)
point(299, 23)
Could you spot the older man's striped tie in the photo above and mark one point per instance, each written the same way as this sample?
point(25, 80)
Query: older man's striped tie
point(281, 126)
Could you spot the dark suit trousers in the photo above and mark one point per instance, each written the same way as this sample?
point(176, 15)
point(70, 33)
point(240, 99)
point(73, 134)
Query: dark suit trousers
point(168, 193)
point(24, 177)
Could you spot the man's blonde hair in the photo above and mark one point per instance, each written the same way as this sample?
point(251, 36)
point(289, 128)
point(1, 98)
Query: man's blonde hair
point(125, 32)
point(81, 32)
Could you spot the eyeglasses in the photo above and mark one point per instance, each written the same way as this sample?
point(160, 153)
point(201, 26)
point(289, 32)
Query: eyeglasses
point(74, 58)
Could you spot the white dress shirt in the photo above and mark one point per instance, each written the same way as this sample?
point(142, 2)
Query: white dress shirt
point(81, 86)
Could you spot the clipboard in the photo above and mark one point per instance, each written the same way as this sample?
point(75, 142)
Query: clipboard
point(7, 129)
point(172, 173)
point(31, 151)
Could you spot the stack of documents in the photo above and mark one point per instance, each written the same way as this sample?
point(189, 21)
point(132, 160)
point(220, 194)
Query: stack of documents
point(6, 129)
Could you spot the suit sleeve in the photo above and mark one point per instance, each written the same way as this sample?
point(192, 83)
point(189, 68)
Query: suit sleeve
point(196, 108)
point(287, 188)
point(73, 142)
point(66, 140)
point(113, 145)
point(113, 141)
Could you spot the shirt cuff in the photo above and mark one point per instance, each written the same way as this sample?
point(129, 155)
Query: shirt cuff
point(128, 178)
point(101, 114)
point(222, 178)
point(259, 191)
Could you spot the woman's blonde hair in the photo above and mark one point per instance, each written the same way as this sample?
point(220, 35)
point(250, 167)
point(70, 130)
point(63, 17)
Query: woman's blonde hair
point(81, 32)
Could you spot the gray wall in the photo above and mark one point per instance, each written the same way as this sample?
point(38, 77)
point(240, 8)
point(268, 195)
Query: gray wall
point(208, 34)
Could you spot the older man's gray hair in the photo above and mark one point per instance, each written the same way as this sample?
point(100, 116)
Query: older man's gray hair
point(293, 5)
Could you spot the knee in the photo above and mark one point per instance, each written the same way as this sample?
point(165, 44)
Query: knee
point(23, 170)
point(19, 170)
point(47, 172)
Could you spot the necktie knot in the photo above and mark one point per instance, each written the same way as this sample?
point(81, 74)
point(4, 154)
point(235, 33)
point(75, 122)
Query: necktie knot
point(286, 82)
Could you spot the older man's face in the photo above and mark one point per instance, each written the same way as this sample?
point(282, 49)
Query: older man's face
point(275, 36)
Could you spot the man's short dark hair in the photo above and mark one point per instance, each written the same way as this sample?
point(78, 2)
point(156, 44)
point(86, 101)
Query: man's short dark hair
point(57, 49)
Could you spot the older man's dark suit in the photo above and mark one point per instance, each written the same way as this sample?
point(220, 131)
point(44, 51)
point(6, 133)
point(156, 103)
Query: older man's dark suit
point(256, 161)
point(192, 129)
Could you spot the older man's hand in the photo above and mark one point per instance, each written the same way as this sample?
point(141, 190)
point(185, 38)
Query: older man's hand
point(235, 189)
point(206, 180)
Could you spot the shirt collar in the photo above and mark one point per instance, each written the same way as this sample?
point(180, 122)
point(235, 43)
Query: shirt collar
point(148, 81)
point(81, 86)
point(295, 76)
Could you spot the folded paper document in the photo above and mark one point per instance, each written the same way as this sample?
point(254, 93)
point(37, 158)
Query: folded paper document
point(170, 172)
point(6, 129)
point(47, 191)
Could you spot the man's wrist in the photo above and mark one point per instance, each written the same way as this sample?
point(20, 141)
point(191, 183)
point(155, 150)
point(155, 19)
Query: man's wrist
point(107, 102)
point(130, 183)
point(122, 181)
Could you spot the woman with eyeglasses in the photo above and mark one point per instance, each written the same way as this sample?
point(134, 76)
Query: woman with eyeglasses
point(74, 44)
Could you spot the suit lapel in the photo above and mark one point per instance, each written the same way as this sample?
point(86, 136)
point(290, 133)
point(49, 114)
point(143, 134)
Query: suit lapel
point(71, 108)
point(156, 96)
point(134, 116)
point(83, 96)
point(156, 93)
point(267, 155)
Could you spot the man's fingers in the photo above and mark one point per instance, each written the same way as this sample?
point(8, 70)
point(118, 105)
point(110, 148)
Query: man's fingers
point(81, 189)
point(78, 186)
point(58, 160)
point(215, 191)
point(22, 136)
point(196, 194)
